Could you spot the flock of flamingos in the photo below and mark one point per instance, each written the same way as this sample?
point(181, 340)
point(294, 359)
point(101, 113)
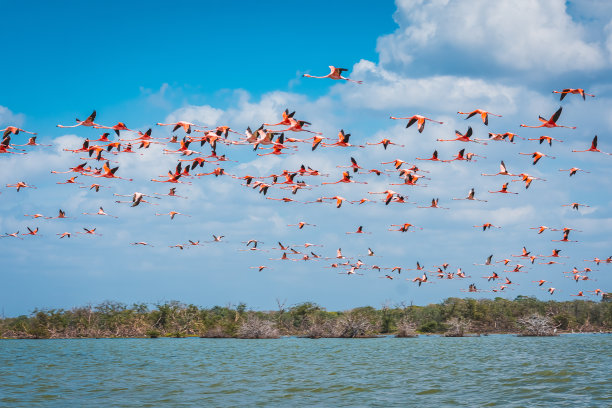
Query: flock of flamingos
point(95, 161)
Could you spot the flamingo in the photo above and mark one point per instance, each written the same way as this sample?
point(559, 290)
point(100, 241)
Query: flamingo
point(12, 235)
point(488, 261)
point(575, 206)
point(483, 114)
point(300, 225)
point(577, 91)
point(87, 122)
point(434, 157)
point(19, 185)
point(536, 156)
point(547, 139)
point(343, 140)
point(502, 136)
point(285, 121)
point(486, 225)
point(181, 124)
point(502, 171)
point(14, 130)
point(110, 173)
point(172, 214)
point(462, 137)
point(540, 229)
point(504, 190)
point(385, 143)
point(89, 231)
point(100, 212)
point(361, 231)
point(335, 73)
point(470, 196)
point(550, 123)
point(593, 148)
point(31, 231)
point(117, 128)
point(297, 126)
point(403, 227)
point(434, 204)
point(573, 170)
point(418, 119)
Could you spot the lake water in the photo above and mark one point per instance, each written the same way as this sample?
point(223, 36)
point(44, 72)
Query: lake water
point(489, 371)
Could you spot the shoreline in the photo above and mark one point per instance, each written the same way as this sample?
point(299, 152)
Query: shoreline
point(298, 336)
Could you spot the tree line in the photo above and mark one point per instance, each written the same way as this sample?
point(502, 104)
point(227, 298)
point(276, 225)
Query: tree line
point(453, 317)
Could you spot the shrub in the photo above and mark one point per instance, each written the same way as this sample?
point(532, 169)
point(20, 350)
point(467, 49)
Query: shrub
point(406, 328)
point(256, 328)
point(457, 327)
point(536, 325)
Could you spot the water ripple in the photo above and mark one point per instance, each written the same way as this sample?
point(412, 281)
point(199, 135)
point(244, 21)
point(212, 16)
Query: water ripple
point(491, 371)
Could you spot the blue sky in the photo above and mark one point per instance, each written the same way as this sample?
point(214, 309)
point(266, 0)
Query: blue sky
point(241, 65)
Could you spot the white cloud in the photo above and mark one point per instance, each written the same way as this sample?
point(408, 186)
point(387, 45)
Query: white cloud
point(523, 35)
point(9, 118)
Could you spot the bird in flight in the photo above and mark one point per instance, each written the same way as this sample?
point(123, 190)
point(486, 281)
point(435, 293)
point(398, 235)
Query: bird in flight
point(335, 73)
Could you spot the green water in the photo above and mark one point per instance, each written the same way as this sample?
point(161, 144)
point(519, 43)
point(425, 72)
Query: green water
point(488, 371)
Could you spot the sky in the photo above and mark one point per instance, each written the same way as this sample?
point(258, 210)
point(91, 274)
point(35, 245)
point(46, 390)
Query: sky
point(241, 65)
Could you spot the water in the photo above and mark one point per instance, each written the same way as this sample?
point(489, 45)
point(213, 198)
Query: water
point(488, 371)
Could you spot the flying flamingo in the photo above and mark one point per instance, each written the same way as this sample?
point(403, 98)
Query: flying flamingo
point(346, 178)
point(575, 206)
point(540, 229)
point(353, 166)
point(483, 114)
point(343, 140)
point(434, 157)
point(527, 179)
point(13, 235)
point(502, 136)
point(487, 262)
point(31, 231)
point(434, 204)
point(87, 122)
point(14, 130)
point(172, 214)
point(61, 214)
point(576, 91)
point(573, 170)
point(547, 139)
point(335, 73)
point(110, 173)
point(19, 185)
point(550, 123)
point(297, 126)
point(403, 227)
point(89, 232)
point(536, 156)
point(462, 137)
point(419, 120)
point(470, 196)
point(593, 148)
point(502, 171)
point(285, 121)
point(486, 226)
point(385, 143)
point(100, 212)
point(117, 128)
point(181, 124)
point(300, 225)
point(504, 190)
point(137, 198)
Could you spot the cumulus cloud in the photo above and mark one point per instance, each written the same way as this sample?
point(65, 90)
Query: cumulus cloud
point(7, 117)
point(525, 35)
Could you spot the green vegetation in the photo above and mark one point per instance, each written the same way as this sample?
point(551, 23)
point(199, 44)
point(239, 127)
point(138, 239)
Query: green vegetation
point(453, 317)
